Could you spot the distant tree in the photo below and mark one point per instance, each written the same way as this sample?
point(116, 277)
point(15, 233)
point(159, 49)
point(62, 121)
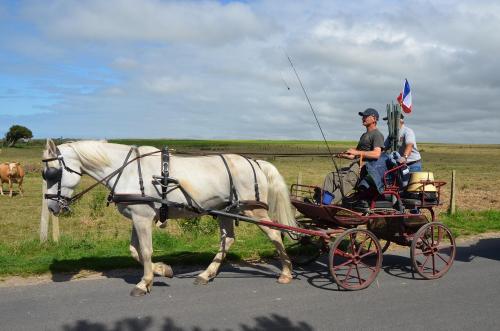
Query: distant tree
point(15, 133)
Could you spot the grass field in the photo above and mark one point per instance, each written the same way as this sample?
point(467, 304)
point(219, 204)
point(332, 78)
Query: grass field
point(96, 237)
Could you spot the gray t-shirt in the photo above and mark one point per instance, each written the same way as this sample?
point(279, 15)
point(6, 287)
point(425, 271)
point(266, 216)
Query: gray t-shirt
point(407, 136)
point(369, 140)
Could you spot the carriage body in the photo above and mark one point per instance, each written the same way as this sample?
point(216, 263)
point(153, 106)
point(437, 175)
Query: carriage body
point(393, 216)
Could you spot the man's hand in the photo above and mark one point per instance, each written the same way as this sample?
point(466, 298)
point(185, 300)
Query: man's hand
point(402, 160)
point(345, 155)
point(352, 151)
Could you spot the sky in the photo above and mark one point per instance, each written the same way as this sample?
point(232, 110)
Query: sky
point(219, 69)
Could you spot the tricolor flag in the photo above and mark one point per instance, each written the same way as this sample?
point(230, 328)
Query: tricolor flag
point(404, 98)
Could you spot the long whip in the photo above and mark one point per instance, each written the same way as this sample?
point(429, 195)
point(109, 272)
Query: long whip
point(319, 125)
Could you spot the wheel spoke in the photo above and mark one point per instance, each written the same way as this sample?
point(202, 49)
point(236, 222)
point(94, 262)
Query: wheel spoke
point(369, 267)
point(359, 276)
point(423, 252)
point(445, 247)
point(347, 274)
point(367, 254)
point(342, 265)
point(361, 245)
point(423, 264)
point(445, 261)
point(424, 241)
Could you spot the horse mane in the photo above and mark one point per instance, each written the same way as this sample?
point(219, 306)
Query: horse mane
point(91, 153)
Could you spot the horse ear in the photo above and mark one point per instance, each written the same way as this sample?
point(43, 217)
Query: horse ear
point(50, 146)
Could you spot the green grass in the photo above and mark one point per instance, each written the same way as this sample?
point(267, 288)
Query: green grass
point(90, 252)
point(96, 237)
point(473, 222)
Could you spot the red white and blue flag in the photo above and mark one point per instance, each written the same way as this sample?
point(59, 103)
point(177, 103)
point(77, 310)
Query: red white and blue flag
point(404, 98)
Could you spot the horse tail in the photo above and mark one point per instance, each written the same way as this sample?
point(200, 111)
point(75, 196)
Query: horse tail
point(278, 197)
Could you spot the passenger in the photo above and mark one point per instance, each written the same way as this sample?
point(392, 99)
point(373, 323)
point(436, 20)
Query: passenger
point(407, 147)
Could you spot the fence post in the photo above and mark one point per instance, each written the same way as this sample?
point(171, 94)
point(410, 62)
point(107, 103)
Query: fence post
point(55, 228)
point(44, 218)
point(452, 209)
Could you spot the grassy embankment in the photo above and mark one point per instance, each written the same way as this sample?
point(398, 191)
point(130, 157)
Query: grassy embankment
point(95, 237)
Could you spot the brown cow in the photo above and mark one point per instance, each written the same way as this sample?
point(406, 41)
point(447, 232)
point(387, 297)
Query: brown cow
point(11, 173)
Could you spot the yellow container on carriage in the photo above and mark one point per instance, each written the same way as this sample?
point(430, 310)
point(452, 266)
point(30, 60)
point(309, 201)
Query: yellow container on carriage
point(416, 185)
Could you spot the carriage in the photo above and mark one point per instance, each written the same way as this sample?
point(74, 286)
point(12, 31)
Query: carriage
point(352, 230)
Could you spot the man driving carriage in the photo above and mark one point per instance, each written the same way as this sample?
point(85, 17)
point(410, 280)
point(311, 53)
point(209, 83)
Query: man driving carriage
point(367, 152)
point(371, 142)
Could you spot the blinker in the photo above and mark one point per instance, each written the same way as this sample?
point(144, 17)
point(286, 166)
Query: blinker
point(52, 174)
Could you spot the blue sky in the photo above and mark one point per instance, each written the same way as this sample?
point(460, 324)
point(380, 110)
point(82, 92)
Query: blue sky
point(217, 69)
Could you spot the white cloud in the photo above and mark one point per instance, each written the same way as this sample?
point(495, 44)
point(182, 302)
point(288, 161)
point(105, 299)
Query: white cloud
point(199, 22)
point(202, 69)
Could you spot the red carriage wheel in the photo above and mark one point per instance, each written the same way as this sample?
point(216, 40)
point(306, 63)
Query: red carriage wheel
point(433, 250)
point(355, 259)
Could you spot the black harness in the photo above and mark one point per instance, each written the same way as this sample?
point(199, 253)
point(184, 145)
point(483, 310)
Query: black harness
point(55, 175)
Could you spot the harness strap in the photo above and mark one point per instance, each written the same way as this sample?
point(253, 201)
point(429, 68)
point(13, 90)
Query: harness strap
point(256, 185)
point(233, 195)
point(112, 192)
point(141, 181)
point(165, 159)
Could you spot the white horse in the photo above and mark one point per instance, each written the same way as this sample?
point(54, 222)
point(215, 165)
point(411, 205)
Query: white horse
point(204, 178)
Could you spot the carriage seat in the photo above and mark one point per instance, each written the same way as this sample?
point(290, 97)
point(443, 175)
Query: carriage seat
point(414, 199)
point(363, 203)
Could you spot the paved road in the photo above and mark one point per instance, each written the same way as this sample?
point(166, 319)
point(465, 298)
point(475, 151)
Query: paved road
point(249, 299)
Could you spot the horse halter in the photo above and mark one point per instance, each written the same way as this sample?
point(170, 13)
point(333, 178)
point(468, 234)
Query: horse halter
point(55, 175)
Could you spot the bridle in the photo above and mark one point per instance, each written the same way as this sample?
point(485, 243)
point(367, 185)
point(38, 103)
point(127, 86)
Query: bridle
point(55, 175)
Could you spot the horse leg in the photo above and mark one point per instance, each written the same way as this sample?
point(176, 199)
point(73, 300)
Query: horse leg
point(159, 268)
point(143, 228)
point(10, 187)
point(1, 187)
point(275, 237)
point(226, 240)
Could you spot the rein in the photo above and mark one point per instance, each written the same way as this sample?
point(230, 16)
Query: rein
point(66, 201)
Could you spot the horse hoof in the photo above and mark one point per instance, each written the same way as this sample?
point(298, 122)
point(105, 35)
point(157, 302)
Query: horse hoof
point(284, 279)
point(200, 281)
point(167, 271)
point(137, 292)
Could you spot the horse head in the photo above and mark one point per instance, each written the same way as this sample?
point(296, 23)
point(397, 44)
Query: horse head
point(62, 173)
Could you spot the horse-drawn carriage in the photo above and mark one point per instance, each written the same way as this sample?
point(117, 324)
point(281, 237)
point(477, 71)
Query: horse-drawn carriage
point(352, 229)
point(232, 187)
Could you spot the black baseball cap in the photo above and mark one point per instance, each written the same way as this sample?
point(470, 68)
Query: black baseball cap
point(369, 112)
point(401, 117)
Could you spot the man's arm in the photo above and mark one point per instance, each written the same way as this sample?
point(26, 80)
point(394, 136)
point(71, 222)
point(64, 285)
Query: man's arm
point(409, 138)
point(375, 154)
point(408, 149)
